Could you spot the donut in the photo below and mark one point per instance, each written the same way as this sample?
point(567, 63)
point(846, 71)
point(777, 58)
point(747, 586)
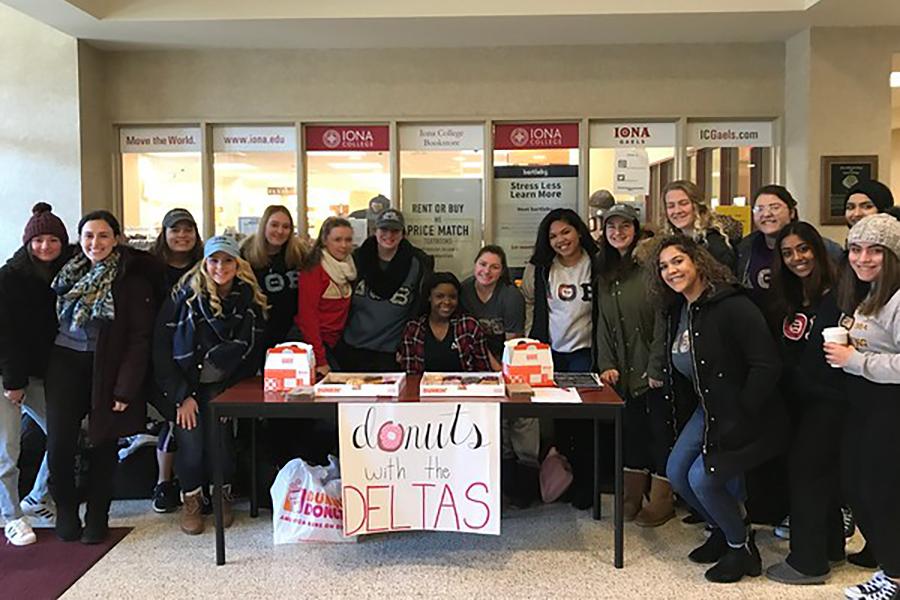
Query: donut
point(390, 437)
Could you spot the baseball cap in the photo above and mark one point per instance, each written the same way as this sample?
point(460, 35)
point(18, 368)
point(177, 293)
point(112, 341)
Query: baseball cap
point(221, 243)
point(391, 219)
point(178, 214)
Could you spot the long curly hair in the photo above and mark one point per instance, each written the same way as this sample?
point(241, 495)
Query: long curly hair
point(704, 218)
point(202, 284)
point(711, 272)
point(544, 253)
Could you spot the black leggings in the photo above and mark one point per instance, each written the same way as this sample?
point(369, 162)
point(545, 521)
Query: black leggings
point(649, 432)
point(871, 469)
point(68, 390)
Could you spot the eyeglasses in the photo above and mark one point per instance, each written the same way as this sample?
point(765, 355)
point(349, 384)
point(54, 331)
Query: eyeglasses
point(768, 208)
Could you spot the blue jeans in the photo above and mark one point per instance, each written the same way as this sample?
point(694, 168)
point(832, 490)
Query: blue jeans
point(578, 361)
point(10, 445)
point(719, 501)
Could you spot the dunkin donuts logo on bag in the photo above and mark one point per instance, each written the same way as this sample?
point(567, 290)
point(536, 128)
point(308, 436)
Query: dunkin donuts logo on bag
point(312, 504)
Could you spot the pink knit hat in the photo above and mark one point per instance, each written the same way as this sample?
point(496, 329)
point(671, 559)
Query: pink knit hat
point(43, 221)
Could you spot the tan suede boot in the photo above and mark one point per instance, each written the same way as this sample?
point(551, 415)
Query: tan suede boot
point(635, 486)
point(192, 512)
point(661, 507)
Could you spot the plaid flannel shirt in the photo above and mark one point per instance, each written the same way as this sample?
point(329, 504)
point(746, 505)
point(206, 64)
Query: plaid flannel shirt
point(467, 335)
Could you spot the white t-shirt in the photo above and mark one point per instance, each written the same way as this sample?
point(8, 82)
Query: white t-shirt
point(569, 304)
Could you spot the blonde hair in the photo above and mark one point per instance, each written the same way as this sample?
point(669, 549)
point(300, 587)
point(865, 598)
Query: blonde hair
point(202, 284)
point(254, 247)
point(704, 218)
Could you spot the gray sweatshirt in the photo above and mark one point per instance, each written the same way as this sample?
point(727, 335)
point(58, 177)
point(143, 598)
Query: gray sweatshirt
point(877, 341)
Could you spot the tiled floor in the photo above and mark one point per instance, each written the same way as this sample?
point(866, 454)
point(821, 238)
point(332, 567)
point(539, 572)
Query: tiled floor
point(550, 551)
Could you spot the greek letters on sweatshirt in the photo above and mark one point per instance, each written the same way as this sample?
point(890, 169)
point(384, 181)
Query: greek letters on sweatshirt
point(321, 312)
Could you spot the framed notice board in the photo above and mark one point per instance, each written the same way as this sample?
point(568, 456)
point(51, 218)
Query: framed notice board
point(839, 174)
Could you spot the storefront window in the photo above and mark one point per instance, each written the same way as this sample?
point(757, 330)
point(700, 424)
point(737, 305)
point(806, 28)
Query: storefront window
point(535, 171)
point(254, 167)
point(346, 166)
point(633, 161)
point(441, 182)
point(160, 171)
point(730, 161)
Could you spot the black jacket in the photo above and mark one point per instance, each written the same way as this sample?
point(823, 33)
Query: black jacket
point(28, 322)
point(737, 369)
point(721, 249)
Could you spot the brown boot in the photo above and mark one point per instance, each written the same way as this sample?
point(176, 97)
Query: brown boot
point(661, 507)
point(635, 486)
point(192, 512)
point(227, 511)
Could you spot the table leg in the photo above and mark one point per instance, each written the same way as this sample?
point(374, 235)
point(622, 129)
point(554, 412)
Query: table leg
point(597, 498)
point(619, 501)
point(218, 482)
point(254, 492)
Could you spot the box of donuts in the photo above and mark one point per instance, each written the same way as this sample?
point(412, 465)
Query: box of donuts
point(360, 384)
point(461, 384)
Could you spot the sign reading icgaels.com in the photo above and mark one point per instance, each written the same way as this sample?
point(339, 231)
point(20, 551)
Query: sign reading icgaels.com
point(432, 466)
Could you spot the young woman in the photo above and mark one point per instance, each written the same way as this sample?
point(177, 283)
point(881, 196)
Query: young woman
point(276, 253)
point(867, 198)
point(107, 300)
point(687, 214)
point(870, 292)
point(490, 296)
point(557, 286)
point(387, 294)
point(722, 357)
point(207, 338)
point(179, 247)
point(630, 356)
point(27, 329)
point(443, 339)
point(326, 285)
point(803, 283)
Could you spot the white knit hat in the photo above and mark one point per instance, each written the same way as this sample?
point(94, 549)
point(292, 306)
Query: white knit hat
point(881, 229)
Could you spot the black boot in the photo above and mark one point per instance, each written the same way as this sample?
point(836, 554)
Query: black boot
point(527, 488)
point(68, 523)
point(96, 523)
point(711, 550)
point(864, 558)
point(736, 563)
point(508, 478)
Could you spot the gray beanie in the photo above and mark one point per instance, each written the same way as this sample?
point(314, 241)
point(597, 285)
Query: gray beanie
point(881, 229)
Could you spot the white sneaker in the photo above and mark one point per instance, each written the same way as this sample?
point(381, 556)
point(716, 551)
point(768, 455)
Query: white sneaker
point(783, 531)
point(43, 513)
point(880, 587)
point(19, 533)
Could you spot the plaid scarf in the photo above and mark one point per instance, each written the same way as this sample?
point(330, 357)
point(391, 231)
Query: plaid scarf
point(85, 289)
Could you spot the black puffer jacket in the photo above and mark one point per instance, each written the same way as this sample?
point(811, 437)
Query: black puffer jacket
point(737, 369)
point(27, 318)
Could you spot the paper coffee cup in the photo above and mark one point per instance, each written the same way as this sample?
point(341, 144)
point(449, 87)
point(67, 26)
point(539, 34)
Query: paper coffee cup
point(835, 335)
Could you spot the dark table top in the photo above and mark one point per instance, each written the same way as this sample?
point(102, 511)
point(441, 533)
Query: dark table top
point(250, 391)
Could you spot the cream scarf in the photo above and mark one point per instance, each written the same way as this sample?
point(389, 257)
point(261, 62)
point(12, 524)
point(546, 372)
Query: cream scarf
point(342, 272)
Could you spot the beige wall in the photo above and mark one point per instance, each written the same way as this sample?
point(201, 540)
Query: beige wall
point(39, 132)
point(847, 109)
point(637, 80)
point(97, 132)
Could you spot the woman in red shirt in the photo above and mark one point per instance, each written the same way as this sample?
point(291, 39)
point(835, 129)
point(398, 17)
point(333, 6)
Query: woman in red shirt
point(326, 286)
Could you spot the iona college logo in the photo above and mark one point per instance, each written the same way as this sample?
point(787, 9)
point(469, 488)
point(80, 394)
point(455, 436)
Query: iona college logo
point(519, 136)
point(331, 138)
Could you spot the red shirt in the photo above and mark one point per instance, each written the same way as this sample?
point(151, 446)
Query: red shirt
point(321, 311)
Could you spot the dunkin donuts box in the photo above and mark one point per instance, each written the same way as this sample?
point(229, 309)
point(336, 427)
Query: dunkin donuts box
point(288, 366)
point(361, 384)
point(527, 361)
point(480, 385)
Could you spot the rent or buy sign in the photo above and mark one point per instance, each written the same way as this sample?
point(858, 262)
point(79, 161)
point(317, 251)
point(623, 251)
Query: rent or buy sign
point(420, 466)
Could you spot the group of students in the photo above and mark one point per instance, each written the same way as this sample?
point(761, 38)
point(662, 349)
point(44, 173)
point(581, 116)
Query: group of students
point(714, 342)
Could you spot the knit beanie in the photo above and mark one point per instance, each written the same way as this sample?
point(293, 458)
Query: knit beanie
point(877, 192)
point(880, 229)
point(42, 222)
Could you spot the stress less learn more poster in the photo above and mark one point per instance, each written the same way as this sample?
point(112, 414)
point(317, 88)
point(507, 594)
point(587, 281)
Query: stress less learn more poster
point(425, 466)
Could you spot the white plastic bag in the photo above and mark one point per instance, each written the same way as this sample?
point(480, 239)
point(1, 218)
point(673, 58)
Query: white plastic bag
point(306, 504)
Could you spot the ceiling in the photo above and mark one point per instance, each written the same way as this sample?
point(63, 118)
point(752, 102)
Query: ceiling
point(129, 24)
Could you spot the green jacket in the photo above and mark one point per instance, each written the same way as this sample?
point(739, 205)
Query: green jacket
point(630, 331)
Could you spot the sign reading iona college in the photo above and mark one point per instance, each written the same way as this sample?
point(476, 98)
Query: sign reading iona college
point(363, 138)
point(420, 466)
point(525, 136)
